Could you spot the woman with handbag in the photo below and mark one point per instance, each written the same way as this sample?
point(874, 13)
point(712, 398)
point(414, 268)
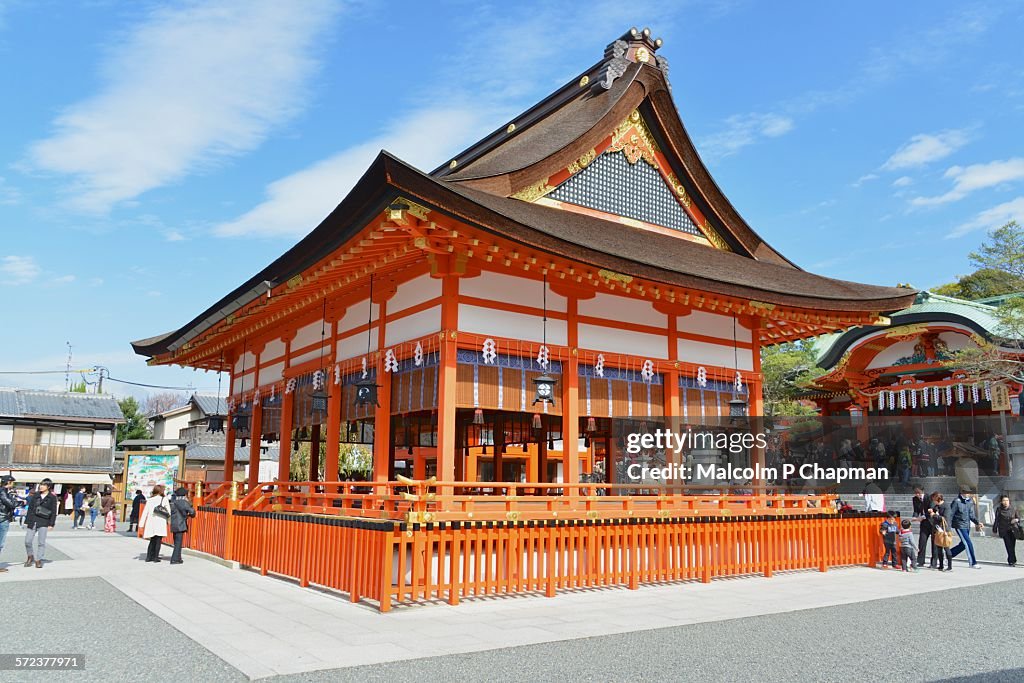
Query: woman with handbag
point(942, 535)
point(1007, 525)
point(154, 522)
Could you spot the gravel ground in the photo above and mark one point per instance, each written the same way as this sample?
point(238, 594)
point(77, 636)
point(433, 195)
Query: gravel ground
point(121, 640)
point(865, 641)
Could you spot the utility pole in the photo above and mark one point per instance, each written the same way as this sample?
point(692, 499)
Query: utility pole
point(99, 387)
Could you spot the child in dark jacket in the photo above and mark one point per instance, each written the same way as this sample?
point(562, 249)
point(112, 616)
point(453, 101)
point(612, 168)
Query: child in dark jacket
point(908, 552)
point(889, 532)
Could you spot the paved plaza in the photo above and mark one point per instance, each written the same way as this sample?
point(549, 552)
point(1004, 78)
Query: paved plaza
point(208, 621)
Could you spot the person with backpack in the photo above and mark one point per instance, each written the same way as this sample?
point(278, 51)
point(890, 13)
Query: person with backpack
point(181, 512)
point(154, 522)
point(41, 517)
point(95, 503)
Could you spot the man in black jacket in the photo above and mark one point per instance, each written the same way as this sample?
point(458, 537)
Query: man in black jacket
point(40, 518)
point(8, 504)
point(921, 507)
point(181, 511)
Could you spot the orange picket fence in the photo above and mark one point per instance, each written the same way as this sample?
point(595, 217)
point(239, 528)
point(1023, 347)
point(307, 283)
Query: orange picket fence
point(388, 547)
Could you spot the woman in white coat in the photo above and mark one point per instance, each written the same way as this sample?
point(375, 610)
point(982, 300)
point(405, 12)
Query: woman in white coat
point(154, 522)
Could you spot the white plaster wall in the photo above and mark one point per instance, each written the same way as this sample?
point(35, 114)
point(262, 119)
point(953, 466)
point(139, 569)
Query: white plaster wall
point(6, 434)
point(713, 325)
point(956, 341)
point(314, 354)
point(274, 349)
point(510, 289)
point(705, 353)
point(599, 338)
point(353, 346)
point(169, 428)
point(249, 380)
point(413, 292)
point(413, 326)
point(479, 320)
point(247, 360)
point(356, 316)
point(310, 334)
point(273, 373)
point(622, 309)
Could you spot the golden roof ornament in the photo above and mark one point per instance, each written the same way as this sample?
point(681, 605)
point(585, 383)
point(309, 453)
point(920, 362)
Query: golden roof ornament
point(634, 47)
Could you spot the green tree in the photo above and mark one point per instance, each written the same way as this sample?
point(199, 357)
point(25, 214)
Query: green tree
point(77, 387)
point(1001, 360)
point(354, 460)
point(1003, 251)
point(788, 370)
point(982, 284)
point(137, 426)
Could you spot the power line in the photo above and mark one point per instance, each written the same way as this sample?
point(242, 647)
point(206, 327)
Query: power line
point(107, 376)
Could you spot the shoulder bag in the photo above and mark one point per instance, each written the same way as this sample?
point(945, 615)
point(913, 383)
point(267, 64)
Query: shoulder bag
point(162, 510)
point(943, 537)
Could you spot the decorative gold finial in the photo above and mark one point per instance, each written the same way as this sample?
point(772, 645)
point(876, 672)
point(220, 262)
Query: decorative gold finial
point(453, 163)
point(511, 128)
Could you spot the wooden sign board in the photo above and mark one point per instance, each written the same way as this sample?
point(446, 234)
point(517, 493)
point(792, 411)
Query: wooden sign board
point(1000, 398)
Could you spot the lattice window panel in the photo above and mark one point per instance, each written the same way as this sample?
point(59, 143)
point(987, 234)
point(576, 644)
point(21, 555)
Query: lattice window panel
point(613, 185)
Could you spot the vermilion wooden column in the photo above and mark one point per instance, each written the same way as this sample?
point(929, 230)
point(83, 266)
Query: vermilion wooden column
point(382, 413)
point(284, 462)
point(571, 402)
point(229, 434)
point(671, 389)
point(446, 382)
point(333, 437)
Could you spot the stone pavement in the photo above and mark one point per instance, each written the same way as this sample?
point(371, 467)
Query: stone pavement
point(264, 626)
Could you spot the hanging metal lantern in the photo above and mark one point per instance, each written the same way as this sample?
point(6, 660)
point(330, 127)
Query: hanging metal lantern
point(366, 393)
point(737, 408)
point(318, 401)
point(215, 424)
point(591, 425)
point(241, 420)
point(544, 387)
point(537, 423)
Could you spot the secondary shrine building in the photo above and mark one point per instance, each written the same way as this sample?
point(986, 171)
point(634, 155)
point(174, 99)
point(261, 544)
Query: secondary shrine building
point(583, 244)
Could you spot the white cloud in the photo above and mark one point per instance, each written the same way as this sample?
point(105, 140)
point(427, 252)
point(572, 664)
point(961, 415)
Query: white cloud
point(742, 130)
point(298, 202)
point(63, 280)
point(903, 181)
point(867, 177)
point(8, 194)
point(925, 148)
point(975, 177)
point(174, 236)
point(995, 217)
point(18, 270)
point(187, 87)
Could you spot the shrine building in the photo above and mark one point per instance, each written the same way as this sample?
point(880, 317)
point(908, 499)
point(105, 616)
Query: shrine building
point(483, 321)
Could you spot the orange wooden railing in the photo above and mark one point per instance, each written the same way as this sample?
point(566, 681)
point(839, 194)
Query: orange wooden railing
point(404, 542)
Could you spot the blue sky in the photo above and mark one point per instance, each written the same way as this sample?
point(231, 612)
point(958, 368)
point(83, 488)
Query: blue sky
point(154, 155)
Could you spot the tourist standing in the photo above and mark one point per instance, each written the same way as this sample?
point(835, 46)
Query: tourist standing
point(95, 503)
point(921, 508)
point(108, 508)
point(939, 516)
point(8, 504)
point(41, 517)
point(1006, 525)
point(961, 512)
point(154, 522)
point(181, 512)
point(133, 519)
point(78, 518)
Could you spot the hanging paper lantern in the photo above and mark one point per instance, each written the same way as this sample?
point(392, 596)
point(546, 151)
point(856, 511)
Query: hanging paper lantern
point(988, 391)
point(365, 373)
point(337, 374)
point(489, 352)
point(256, 397)
point(417, 355)
point(959, 393)
point(318, 380)
point(702, 377)
point(974, 393)
point(913, 398)
point(892, 400)
point(273, 388)
point(290, 386)
point(647, 371)
point(924, 397)
point(949, 395)
point(935, 396)
point(599, 366)
point(903, 399)
point(543, 357)
point(390, 361)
